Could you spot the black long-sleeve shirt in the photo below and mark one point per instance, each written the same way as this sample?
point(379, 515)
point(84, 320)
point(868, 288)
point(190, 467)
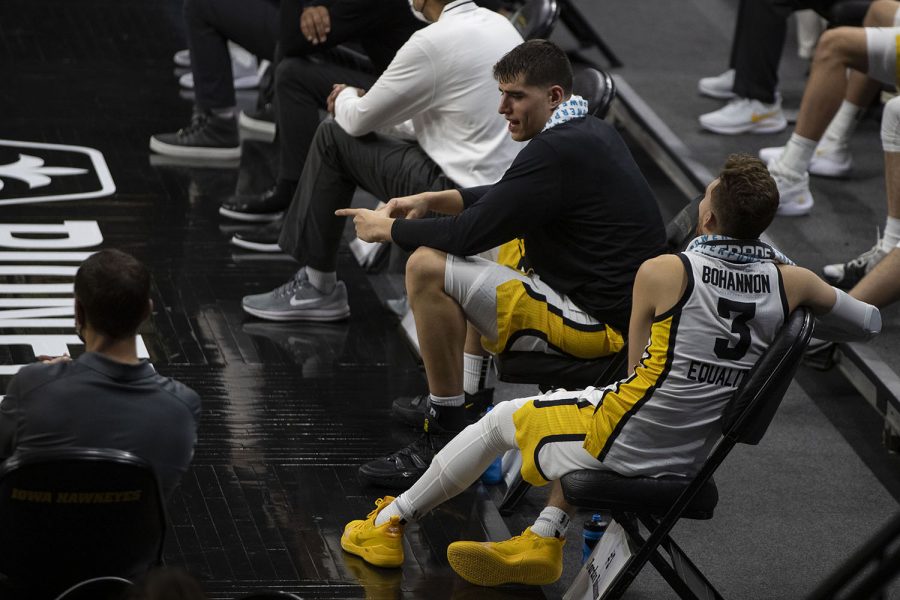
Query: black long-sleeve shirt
point(585, 211)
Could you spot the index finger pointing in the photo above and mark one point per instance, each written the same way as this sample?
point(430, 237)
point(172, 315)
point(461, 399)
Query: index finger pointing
point(347, 212)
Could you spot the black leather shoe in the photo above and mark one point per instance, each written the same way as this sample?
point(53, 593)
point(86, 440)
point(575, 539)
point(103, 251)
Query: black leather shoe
point(260, 239)
point(411, 409)
point(268, 206)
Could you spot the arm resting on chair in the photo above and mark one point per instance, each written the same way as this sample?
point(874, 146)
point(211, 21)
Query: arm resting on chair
point(848, 320)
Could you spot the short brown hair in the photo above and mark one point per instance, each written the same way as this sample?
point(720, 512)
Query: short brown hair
point(745, 199)
point(539, 63)
point(113, 288)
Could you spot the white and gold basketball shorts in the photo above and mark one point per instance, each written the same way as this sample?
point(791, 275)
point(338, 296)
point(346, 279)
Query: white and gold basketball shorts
point(550, 432)
point(517, 311)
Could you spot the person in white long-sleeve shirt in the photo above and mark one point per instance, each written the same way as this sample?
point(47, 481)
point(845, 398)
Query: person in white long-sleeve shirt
point(440, 90)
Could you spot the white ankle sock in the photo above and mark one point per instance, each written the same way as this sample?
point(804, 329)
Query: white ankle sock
point(794, 161)
point(474, 372)
point(395, 508)
point(448, 400)
point(891, 238)
point(552, 522)
point(322, 280)
point(843, 124)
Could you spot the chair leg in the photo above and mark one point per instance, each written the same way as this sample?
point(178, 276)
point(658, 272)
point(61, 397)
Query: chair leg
point(514, 493)
point(681, 568)
point(681, 574)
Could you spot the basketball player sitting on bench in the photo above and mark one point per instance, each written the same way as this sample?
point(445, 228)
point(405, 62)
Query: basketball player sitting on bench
point(699, 322)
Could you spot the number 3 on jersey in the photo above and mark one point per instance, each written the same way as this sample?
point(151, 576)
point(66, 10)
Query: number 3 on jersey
point(740, 312)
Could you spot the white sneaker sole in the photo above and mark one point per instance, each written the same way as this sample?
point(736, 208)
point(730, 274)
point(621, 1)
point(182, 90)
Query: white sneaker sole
point(194, 151)
point(717, 93)
point(255, 246)
point(321, 315)
point(256, 125)
point(250, 217)
point(820, 167)
point(766, 126)
point(796, 209)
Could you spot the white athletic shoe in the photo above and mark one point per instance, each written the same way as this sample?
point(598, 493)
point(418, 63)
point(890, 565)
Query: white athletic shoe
point(743, 115)
point(718, 86)
point(829, 160)
point(795, 199)
point(182, 58)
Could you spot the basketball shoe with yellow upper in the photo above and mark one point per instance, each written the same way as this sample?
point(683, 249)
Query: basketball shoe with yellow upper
point(381, 546)
point(529, 559)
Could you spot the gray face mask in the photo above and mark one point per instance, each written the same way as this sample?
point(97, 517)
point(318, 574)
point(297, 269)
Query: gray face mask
point(417, 14)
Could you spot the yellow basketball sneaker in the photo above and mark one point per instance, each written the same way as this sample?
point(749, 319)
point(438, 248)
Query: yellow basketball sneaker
point(529, 559)
point(380, 546)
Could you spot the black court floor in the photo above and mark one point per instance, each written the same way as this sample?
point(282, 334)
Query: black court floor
point(290, 411)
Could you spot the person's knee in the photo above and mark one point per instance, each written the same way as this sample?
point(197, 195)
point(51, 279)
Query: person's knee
point(498, 428)
point(326, 138)
point(292, 73)
point(833, 46)
point(425, 270)
point(890, 126)
point(880, 14)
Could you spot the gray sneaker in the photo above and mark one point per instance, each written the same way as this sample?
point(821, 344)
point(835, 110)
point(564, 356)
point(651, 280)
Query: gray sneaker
point(848, 274)
point(298, 300)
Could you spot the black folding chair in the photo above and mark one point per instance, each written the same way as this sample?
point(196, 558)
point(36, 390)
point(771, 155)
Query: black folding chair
point(638, 501)
point(72, 514)
point(535, 18)
point(597, 87)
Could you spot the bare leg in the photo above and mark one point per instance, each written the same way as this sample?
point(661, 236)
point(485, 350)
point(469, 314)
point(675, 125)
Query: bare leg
point(861, 89)
point(881, 286)
point(473, 341)
point(440, 322)
point(838, 49)
point(558, 500)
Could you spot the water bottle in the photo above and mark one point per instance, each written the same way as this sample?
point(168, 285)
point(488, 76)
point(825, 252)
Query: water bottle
point(593, 531)
point(494, 473)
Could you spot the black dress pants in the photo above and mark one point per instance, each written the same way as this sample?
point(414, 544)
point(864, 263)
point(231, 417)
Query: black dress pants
point(758, 42)
point(252, 24)
point(384, 166)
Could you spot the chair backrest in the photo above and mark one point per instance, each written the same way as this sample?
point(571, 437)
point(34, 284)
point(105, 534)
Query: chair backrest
point(683, 226)
point(71, 514)
point(597, 87)
point(535, 18)
point(98, 588)
point(747, 416)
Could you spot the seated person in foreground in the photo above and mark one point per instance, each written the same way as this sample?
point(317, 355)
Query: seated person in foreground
point(588, 220)
point(108, 397)
point(700, 320)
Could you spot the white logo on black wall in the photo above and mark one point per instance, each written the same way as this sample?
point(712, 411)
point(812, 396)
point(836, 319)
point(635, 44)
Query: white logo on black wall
point(32, 172)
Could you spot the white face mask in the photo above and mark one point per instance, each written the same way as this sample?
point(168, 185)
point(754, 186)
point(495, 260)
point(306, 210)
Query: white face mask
point(417, 14)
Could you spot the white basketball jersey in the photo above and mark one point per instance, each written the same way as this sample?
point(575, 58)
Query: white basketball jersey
point(664, 419)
